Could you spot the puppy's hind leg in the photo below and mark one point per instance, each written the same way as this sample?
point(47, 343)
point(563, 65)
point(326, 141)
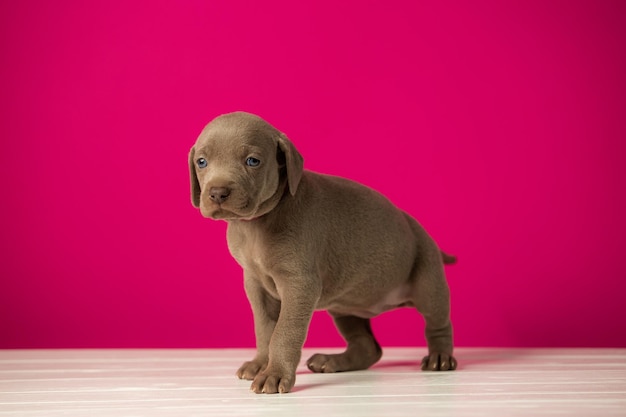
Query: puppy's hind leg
point(432, 300)
point(362, 352)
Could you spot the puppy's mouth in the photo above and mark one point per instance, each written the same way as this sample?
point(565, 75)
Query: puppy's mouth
point(229, 211)
point(241, 205)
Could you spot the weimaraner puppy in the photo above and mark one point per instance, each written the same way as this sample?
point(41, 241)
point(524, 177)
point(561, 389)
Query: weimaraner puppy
point(307, 242)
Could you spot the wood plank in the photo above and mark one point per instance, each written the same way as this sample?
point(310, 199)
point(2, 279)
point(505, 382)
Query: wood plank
point(515, 382)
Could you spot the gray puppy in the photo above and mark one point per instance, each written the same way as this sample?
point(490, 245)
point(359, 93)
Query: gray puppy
point(307, 242)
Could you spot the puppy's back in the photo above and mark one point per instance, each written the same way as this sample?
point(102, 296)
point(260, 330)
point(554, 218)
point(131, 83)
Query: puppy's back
point(355, 233)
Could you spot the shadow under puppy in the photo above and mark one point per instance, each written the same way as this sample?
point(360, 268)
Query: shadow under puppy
point(307, 242)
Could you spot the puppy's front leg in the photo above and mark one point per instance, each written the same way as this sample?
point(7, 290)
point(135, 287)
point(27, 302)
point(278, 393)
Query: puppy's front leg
point(266, 310)
point(285, 347)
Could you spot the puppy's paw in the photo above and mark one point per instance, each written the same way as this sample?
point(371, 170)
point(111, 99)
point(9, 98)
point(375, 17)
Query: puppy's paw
point(273, 382)
point(322, 363)
point(438, 361)
point(250, 369)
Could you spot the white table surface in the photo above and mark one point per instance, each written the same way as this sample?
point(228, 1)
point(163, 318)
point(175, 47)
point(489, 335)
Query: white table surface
point(201, 382)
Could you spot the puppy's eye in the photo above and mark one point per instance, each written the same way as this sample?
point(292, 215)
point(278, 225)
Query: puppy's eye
point(202, 163)
point(253, 162)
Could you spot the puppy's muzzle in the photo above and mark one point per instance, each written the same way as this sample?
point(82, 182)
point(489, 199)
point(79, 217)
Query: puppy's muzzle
point(219, 194)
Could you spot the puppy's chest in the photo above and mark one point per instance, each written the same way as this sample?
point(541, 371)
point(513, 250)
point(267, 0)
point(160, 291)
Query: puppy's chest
point(252, 253)
point(251, 250)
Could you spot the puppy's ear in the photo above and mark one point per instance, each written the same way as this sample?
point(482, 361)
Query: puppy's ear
point(293, 161)
point(195, 185)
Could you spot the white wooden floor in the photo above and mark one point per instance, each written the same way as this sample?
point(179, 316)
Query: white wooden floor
point(490, 382)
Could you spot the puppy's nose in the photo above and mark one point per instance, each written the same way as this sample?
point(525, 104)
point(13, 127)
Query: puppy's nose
point(219, 194)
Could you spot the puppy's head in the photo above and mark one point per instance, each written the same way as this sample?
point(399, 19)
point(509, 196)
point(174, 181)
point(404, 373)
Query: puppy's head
point(240, 166)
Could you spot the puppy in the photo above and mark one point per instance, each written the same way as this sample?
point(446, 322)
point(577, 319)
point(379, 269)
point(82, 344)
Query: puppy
point(307, 242)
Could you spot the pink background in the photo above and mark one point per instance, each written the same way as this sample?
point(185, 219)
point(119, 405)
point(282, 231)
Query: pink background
point(501, 126)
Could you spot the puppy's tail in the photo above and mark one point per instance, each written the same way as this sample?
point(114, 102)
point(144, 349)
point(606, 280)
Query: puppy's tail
point(448, 259)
